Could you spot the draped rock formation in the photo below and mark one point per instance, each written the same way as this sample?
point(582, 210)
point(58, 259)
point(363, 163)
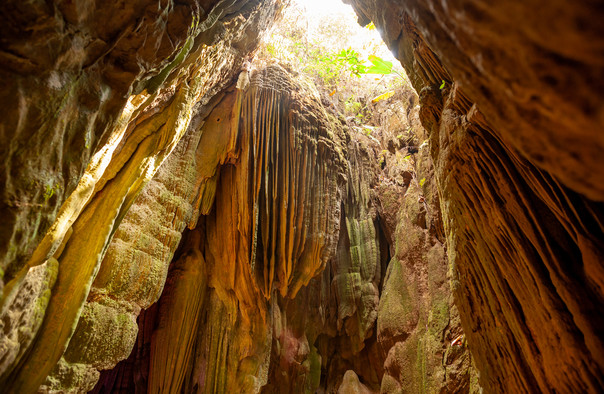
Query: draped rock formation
point(301, 292)
point(514, 134)
point(276, 171)
point(278, 281)
point(185, 219)
point(99, 106)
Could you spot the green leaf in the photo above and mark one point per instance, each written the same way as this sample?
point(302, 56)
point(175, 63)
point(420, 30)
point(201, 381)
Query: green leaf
point(442, 85)
point(378, 61)
point(380, 66)
point(421, 182)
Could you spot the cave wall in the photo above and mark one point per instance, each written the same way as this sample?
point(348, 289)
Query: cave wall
point(516, 142)
point(374, 311)
point(271, 225)
point(140, 132)
point(96, 108)
point(309, 267)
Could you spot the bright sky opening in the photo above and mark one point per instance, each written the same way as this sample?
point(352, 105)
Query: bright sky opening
point(318, 14)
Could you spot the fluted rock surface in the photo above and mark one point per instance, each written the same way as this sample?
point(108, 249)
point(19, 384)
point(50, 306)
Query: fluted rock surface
point(333, 319)
point(100, 106)
point(272, 228)
point(510, 96)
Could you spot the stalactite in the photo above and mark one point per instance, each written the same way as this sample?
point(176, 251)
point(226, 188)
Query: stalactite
point(180, 314)
point(514, 191)
point(141, 132)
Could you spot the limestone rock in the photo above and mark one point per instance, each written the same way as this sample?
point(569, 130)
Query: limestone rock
point(22, 311)
point(512, 130)
point(254, 334)
point(351, 384)
point(222, 232)
point(277, 172)
point(143, 102)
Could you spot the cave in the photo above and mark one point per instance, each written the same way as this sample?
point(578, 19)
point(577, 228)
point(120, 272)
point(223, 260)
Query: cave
point(183, 215)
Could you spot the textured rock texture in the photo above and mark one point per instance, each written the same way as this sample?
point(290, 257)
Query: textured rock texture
point(273, 228)
point(278, 175)
point(418, 326)
point(277, 283)
point(97, 104)
point(360, 322)
point(219, 231)
point(533, 69)
point(514, 134)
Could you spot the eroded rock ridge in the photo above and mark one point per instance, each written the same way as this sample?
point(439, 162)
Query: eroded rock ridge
point(186, 219)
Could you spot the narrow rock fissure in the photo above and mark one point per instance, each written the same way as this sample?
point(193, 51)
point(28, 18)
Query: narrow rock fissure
point(254, 196)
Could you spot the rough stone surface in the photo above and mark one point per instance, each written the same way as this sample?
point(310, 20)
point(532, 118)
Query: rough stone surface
point(67, 71)
point(517, 155)
point(22, 311)
point(273, 227)
point(351, 384)
point(133, 106)
point(533, 69)
point(314, 259)
point(254, 334)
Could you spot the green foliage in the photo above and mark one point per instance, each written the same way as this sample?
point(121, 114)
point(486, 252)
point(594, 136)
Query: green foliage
point(379, 66)
point(357, 66)
point(326, 66)
point(50, 190)
point(382, 157)
point(421, 182)
point(271, 49)
point(442, 85)
point(356, 112)
point(48, 193)
point(350, 57)
point(340, 59)
point(330, 66)
point(352, 106)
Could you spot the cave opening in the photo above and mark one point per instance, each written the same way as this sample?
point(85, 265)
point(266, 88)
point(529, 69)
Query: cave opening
point(385, 289)
point(189, 208)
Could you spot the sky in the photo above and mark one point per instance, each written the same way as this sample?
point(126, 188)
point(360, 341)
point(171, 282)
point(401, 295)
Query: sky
point(317, 10)
point(324, 6)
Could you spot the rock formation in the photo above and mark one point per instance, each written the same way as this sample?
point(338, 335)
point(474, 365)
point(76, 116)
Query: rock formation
point(187, 220)
point(517, 154)
point(318, 307)
point(126, 90)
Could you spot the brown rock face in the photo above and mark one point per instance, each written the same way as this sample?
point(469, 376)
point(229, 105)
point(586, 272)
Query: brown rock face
point(191, 227)
point(517, 153)
point(279, 280)
point(67, 73)
point(96, 108)
point(534, 70)
point(278, 175)
point(362, 321)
